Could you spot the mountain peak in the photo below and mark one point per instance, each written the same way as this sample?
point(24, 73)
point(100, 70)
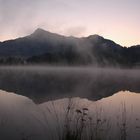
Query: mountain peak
point(41, 33)
point(39, 30)
point(95, 37)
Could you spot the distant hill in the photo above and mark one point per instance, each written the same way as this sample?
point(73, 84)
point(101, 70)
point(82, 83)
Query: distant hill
point(43, 47)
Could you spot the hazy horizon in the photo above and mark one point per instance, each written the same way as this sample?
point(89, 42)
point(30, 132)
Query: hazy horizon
point(60, 35)
point(113, 19)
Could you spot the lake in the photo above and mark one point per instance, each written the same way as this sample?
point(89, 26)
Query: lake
point(65, 103)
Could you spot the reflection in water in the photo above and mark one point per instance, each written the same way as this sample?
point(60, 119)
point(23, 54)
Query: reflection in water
point(71, 103)
point(112, 118)
point(48, 83)
point(17, 117)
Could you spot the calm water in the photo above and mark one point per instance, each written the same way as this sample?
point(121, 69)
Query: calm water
point(40, 103)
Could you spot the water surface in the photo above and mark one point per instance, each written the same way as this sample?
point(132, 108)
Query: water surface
point(50, 102)
point(47, 83)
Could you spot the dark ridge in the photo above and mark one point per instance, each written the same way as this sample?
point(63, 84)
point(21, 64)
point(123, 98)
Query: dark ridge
point(95, 37)
point(50, 48)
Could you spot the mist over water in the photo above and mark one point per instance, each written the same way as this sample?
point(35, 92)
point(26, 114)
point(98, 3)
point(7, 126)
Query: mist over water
point(41, 83)
point(45, 99)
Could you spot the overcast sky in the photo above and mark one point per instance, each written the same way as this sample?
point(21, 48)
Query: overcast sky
point(118, 20)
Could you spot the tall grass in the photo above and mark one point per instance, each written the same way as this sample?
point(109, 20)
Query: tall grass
point(80, 124)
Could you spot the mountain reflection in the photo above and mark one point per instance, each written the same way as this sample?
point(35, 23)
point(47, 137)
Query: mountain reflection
point(42, 84)
point(22, 119)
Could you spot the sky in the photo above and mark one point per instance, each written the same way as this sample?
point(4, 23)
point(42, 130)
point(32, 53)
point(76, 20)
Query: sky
point(118, 20)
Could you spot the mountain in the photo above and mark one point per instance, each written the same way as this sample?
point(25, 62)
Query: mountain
point(46, 47)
